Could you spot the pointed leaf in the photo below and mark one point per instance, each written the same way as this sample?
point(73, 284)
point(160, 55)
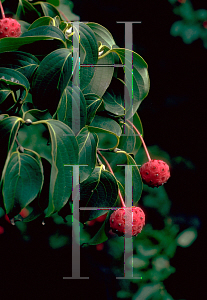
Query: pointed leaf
point(64, 152)
point(102, 34)
point(47, 9)
point(26, 11)
point(92, 102)
point(8, 130)
point(87, 143)
point(139, 77)
point(102, 76)
point(108, 131)
point(51, 79)
point(22, 62)
point(88, 53)
point(23, 180)
point(72, 104)
point(99, 190)
point(40, 22)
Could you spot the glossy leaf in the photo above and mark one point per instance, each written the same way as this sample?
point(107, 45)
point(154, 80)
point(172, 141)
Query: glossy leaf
point(88, 53)
point(33, 36)
point(139, 77)
point(51, 79)
point(102, 34)
point(26, 11)
point(22, 62)
point(64, 152)
point(11, 76)
point(23, 180)
point(102, 76)
point(7, 99)
point(87, 143)
point(92, 102)
point(47, 9)
point(114, 98)
point(123, 158)
point(8, 130)
point(40, 22)
point(99, 190)
point(72, 108)
point(108, 131)
point(129, 140)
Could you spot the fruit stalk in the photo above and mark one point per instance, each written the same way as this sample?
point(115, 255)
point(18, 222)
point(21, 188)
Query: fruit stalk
point(2, 11)
point(141, 138)
point(109, 167)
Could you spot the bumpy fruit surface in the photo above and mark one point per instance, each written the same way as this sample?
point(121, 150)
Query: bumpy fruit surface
point(125, 219)
point(155, 173)
point(9, 28)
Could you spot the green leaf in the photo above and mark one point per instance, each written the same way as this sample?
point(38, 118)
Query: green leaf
point(102, 34)
point(64, 152)
point(47, 9)
point(99, 190)
point(88, 53)
point(36, 137)
point(10, 76)
point(87, 143)
point(92, 102)
point(22, 62)
point(114, 98)
point(7, 99)
point(136, 81)
point(23, 180)
point(123, 158)
point(108, 131)
point(51, 79)
point(129, 140)
point(40, 22)
point(67, 7)
point(102, 76)
point(72, 108)
point(99, 237)
point(43, 33)
point(8, 130)
point(3, 116)
point(26, 11)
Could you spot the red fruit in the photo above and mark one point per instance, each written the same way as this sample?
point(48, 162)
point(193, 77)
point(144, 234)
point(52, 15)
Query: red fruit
point(7, 218)
point(101, 218)
point(9, 28)
point(91, 223)
point(1, 230)
point(155, 173)
point(100, 247)
point(24, 212)
point(123, 218)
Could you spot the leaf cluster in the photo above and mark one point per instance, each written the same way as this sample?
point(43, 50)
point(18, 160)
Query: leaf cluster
point(62, 98)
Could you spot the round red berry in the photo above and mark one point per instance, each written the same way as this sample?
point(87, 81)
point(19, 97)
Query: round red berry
point(155, 173)
point(9, 28)
point(125, 219)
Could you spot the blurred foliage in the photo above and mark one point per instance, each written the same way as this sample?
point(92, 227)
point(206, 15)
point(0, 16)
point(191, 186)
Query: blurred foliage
point(192, 24)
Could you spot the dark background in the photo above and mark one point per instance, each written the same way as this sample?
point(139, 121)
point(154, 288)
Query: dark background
point(173, 117)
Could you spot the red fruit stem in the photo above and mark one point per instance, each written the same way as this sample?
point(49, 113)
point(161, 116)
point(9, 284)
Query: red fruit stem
point(141, 138)
point(110, 169)
point(63, 15)
point(2, 11)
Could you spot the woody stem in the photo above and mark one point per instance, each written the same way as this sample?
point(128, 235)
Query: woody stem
point(141, 138)
point(110, 169)
point(2, 11)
